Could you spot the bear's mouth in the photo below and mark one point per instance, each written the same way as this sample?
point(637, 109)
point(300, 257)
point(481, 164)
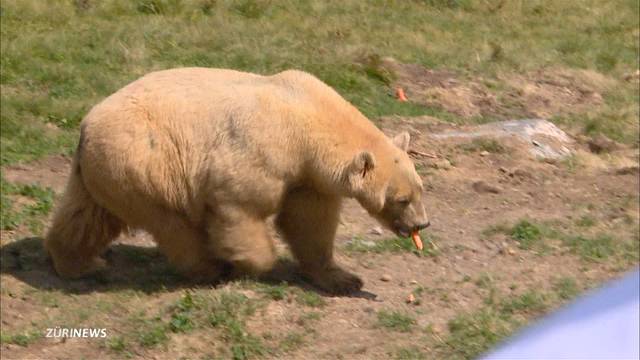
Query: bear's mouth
point(402, 231)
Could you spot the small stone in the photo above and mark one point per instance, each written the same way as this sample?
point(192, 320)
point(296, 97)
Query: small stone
point(442, 164)
point(376, 230)
point(484, 153)
point(410, 299)
point(510, 251)
point(461, 232)
point(503, 169)
point(413, 282)
point(483, 187)
point(602, 144)
point(627, 170)
point(385, 277)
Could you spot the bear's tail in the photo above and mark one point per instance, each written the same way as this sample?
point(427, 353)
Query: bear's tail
point(81, 229)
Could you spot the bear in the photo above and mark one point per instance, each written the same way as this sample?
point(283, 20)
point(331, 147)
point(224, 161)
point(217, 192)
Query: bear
point(200, 158)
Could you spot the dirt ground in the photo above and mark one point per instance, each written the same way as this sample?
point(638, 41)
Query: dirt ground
point(472, 191)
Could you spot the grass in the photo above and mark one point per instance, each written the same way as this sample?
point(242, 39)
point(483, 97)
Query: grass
point(473, 333)
point(226, 311)
point(392, 245)
point(586, 221)
point(592, 248)
point(291, 342)
point(532, 302)
point(527, 234)
point(310, 299)
point(566, 288)
point(32, 214)
point(579, 239)
point(409, 353)
point(116, 343)
point(59, 58)
point(283, 291)
point(482, 144)
point(395, 320)
point(22, 339)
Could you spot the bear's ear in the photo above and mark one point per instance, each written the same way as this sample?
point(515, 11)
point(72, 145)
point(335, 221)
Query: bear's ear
point(368, 196)
point(363, 162)
point(402, 141)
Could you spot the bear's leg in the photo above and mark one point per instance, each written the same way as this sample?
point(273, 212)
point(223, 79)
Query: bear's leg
point(185, 247)
point(80, 231)
point(308, 223)
point(242, 239)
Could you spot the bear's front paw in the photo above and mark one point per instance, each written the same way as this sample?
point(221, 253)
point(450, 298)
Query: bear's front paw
point(337, 281)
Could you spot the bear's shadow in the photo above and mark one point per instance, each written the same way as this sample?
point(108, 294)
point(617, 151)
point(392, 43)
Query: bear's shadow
point(129, 267)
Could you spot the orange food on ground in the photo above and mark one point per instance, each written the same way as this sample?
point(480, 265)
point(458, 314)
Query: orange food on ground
point(415, 236)
point(400, 95)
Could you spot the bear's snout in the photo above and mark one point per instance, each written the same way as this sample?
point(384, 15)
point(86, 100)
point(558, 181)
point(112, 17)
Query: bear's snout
point(422, 225)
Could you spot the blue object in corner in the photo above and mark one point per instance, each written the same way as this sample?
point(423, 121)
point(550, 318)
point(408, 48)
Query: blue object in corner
point(604, 324)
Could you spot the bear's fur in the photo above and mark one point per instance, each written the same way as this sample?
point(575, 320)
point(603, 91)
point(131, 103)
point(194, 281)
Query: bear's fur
point(200, 158)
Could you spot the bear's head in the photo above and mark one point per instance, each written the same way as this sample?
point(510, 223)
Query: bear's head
point(389, 187)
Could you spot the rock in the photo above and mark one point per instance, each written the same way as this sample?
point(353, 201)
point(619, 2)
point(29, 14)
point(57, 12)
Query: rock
point(484, 153)
point(631, 76)
point(483, 187)
point(413, 282)
point(377, 230)
point(385, 277)
point(602, 144)
point(627, 170)
point(410, 299)
point(442, 164)
point(542, 138)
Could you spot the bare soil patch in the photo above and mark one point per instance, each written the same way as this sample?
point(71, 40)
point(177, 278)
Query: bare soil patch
point(541, 94)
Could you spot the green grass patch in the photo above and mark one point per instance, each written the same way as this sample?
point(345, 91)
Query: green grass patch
point(531, 302)
point(592, 248)
point(226, 311)
point(474, 333)
point(484, 281)
point(586, 221)
point(310, 298)
point(22, 339)
point(116, 343)
point(566, 288)
point(392, 245)
point(409, 353)
point(396, 321)
point(274, 291)
point(293, 341)
point(527, 234)
point(181, 317)
point(483, 144)
point(32, 214)
point(283, 291)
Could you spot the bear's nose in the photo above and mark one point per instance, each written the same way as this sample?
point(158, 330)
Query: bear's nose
point(423, 225)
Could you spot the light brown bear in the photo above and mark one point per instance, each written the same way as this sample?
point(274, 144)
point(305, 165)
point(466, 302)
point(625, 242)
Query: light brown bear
point(200, 158)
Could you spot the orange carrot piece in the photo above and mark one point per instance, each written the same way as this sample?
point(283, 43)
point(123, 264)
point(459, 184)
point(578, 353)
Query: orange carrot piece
point(415, 236)
point(400, 95)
